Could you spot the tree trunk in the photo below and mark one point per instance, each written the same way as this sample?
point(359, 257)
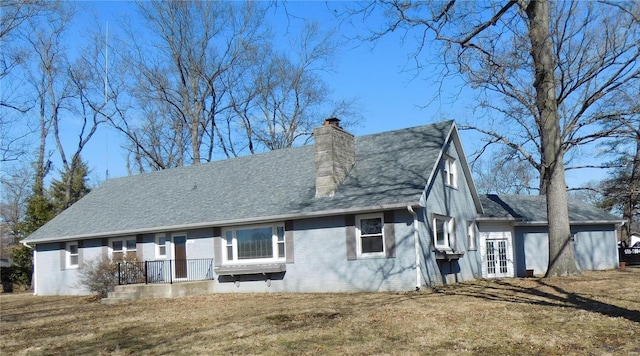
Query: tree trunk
point(561, 258)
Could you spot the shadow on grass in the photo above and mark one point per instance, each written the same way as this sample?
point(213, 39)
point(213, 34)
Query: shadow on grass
point(511, 291)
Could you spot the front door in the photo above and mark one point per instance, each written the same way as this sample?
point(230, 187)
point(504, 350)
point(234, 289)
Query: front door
point(497, 255)
point(180, 256)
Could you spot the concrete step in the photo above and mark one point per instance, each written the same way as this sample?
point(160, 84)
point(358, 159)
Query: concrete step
point(125, 295)
point(114, 300)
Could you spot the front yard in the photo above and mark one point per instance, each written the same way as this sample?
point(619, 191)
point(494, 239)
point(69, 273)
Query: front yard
point(597, 313)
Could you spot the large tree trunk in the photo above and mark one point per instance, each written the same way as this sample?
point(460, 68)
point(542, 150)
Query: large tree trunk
point(561, 259)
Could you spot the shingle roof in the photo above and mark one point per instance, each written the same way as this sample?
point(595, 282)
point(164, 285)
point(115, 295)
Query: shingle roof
point(533, 208)
point(391, 169)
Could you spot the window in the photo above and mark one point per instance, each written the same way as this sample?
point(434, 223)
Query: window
point(450, 177)
point(472, 234)
point(72, 255)
point(161, 245)
point(124, 248)
point(370, 237)
point(255, 243)
point(443, 232)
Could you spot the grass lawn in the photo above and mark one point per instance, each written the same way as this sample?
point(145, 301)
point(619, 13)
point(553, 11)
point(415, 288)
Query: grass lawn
point(597, 314)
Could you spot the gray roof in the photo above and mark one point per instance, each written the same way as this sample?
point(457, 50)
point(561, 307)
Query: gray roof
point(391, 170)
point(533, 208)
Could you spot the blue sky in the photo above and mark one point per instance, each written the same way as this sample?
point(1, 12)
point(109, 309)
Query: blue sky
point(380, 77)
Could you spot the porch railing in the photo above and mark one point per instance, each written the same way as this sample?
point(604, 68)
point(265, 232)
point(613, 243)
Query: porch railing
point(165, 271)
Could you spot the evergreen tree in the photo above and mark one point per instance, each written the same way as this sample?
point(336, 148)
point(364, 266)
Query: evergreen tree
point(40, 209)
point(71, 187)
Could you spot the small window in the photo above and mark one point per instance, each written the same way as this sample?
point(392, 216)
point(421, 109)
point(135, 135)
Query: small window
point(161, 245)
point(450, 176)
point(370, 236)
point(472, 235)
point(72, 255)
point(280, 242)
point(124, 248)
point(229, 240)
point(443, 232)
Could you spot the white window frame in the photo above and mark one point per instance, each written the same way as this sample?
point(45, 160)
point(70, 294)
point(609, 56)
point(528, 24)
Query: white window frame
point(450, 172)
point(449, 230)
point(159, 245)
point(124, 240)
point(69, 255)
point(230, 243)
point(472, 235)
point(359, 236)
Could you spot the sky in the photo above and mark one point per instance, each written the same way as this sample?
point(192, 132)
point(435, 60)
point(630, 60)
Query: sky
point(379, 76)
point(389, 98)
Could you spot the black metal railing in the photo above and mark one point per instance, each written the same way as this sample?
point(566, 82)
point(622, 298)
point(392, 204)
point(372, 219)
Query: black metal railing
point(165, 271)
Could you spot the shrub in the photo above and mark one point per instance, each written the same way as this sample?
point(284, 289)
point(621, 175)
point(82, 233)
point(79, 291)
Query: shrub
point(99, 275)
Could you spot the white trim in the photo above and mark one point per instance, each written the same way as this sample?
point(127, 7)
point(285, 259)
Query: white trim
point(472, 235)
point(359, 236)
point(173, 244)
point(167, 241)
point(497, 236)
point(34, 277)
point(449, 230)
point(450, 171)
point(234, 244)
point(68, 255)
point(124, 240)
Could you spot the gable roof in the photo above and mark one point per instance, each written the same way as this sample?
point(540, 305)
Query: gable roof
point(391, 171)
point(532, 209)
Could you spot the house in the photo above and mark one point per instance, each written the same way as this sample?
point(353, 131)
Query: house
point(392, 211)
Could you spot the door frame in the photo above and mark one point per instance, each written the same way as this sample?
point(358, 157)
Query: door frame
point(179, 270)
point(503, 235)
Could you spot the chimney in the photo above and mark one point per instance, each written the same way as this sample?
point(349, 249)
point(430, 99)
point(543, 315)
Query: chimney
point(334, 156)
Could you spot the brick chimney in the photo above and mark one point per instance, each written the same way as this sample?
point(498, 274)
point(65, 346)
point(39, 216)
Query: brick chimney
point(335, 153)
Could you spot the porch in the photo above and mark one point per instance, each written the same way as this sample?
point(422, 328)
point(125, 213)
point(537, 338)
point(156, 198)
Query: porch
point(162, 279)
point(130, 292)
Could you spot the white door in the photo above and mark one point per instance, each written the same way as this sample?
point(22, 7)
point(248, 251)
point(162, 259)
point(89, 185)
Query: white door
point(497, 254)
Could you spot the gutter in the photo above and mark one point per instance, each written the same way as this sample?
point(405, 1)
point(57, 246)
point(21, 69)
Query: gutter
point(26, 244)
point(228, 222)
point(416, 238)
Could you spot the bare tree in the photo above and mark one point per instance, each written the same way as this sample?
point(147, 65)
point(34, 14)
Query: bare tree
point(15, 189)
point(284, 96)
point(553, 65)
point(183, 88)
point(15, 16)
point(46, 72)
point(503, 173)
point(621, 190)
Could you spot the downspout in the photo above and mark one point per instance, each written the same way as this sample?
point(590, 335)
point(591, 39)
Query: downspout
point(33, 275)
point(416, 238)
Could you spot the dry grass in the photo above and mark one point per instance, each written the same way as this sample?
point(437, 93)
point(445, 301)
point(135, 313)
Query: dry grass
point(597, 313)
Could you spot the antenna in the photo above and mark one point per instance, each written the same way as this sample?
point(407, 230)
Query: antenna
point(106, 95)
